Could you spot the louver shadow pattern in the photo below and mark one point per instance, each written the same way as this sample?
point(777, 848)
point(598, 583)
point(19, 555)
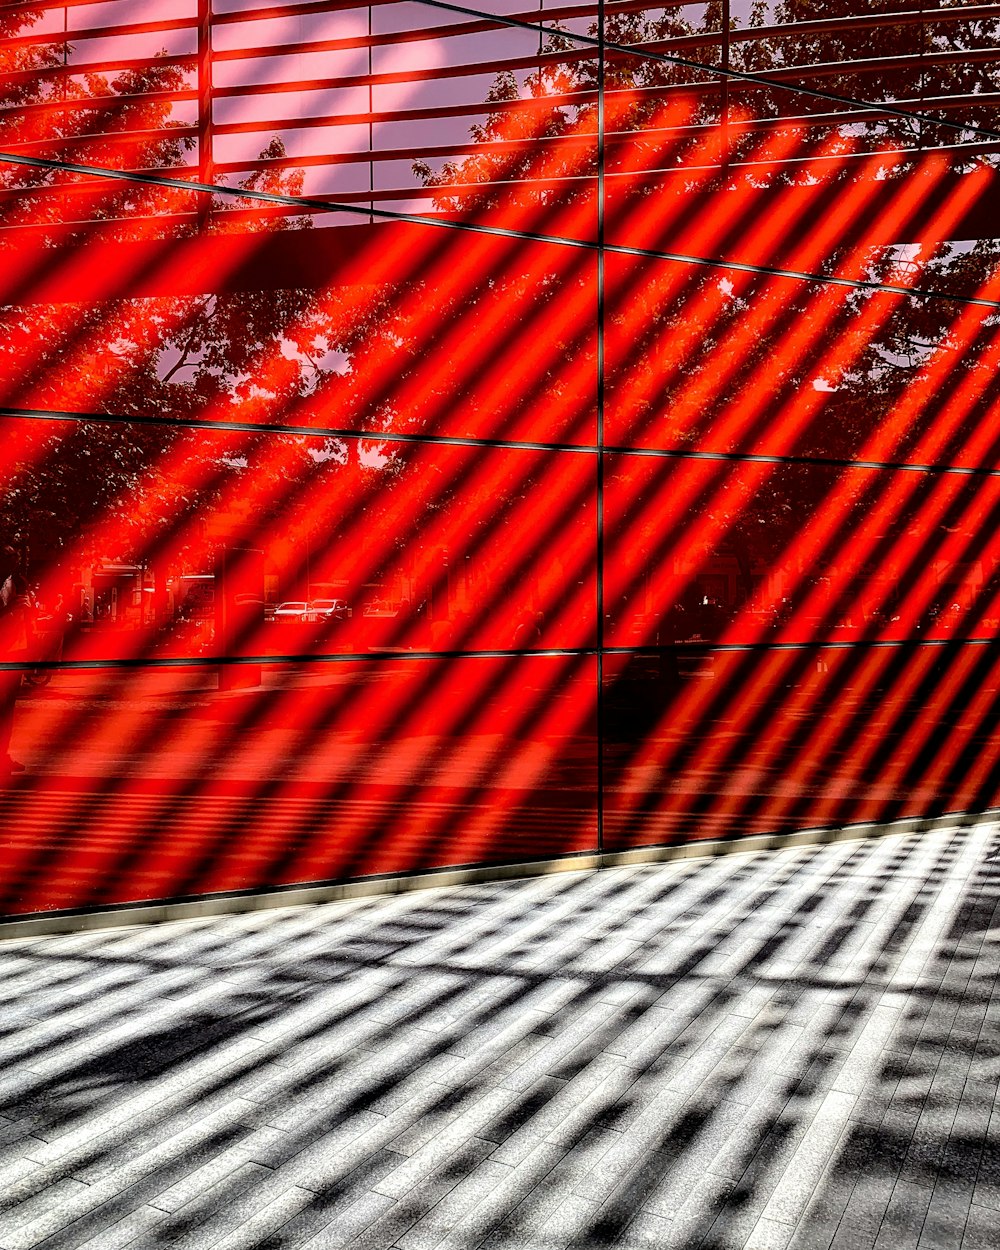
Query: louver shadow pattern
point(439, 435)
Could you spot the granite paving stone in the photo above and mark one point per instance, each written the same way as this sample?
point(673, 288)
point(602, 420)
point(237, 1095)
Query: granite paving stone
point(137, 1228)
point(904, 1218)
point(980, 1229)
point(944, 1224)
point(792, 1048)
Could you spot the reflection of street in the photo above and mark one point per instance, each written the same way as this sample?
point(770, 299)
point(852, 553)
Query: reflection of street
point(763, 742)
point(296, 724)
point(142, 783)
point(146, 783)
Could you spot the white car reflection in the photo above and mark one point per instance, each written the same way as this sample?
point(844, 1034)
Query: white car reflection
point(329, 610)
point(293, 612)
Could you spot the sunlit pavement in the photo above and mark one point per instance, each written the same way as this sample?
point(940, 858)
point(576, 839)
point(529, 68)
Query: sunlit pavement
point(795, 1048)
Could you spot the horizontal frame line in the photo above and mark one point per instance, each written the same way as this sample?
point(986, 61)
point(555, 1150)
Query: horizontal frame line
point(715, 71)
point(450, 440)
point(744, 34)
point(374, 657)
point(502, 232)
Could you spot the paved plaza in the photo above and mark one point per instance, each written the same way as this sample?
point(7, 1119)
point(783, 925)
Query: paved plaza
point(789, 1048)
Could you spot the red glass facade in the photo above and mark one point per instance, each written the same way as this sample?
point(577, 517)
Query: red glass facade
point(442, 434)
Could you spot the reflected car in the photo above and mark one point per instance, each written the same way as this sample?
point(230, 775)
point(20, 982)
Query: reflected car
point(329, 610)
point(381, 607)
point(293, 612)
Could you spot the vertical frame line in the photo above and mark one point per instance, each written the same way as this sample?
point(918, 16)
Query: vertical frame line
point(600, 422)
point(205, 154)
point(724, 117)
point(923, 77)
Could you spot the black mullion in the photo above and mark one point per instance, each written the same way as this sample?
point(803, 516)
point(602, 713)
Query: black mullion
point(600, 424)
point(459, 440)
point(310, 203)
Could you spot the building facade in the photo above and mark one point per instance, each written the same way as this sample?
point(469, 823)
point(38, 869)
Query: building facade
point(443, 434)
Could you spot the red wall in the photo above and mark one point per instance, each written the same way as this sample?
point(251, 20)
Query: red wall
point(648, 449)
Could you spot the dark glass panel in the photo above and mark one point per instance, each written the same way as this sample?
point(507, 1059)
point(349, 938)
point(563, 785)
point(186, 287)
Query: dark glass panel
point(152, 783)
point(726, 744)
point(172, 542)
point(836, 214)
point(720, 552)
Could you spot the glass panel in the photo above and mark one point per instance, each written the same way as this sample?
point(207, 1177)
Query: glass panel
point(112, 85)
point(152, 541)
point(207, 397)
point(733, 169)
point(715, 552)
point(700, 358)
point(733, 743)
point(960, 56)
point(874, 58)
point(687, 30)
point(304, 103)
point(396, 328)
point(869, 220)
point(152, 783)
